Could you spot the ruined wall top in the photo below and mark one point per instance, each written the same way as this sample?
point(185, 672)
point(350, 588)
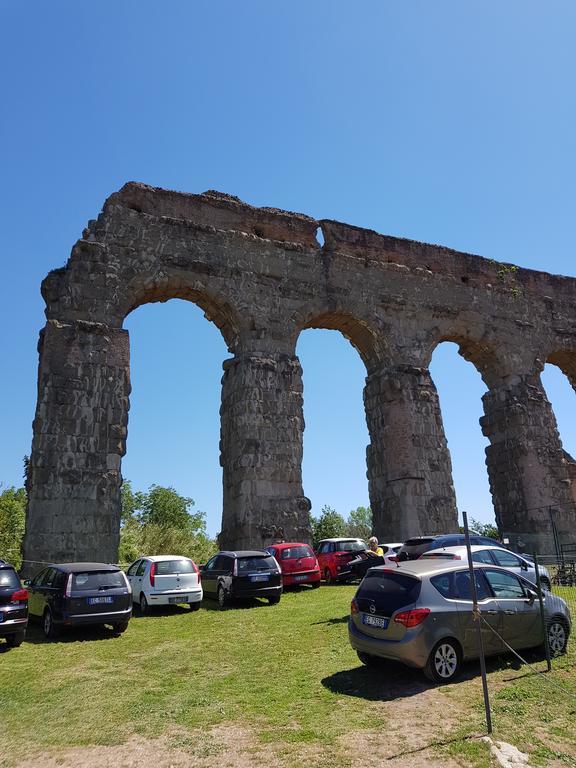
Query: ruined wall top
point(262, 276)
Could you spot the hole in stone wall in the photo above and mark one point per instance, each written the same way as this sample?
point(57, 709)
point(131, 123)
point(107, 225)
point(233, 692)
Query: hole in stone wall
point(460, 389)
point(561, 396)
point(258, 232)
point(336, 435)
point(174, 424)
point(464, 279)
point(320, 237)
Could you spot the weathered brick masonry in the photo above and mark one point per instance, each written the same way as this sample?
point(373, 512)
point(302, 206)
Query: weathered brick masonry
point(262, 277)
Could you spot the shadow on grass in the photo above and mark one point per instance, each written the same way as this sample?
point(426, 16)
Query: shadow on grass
point(391, 680)
point(35, 635)
point(338, 620)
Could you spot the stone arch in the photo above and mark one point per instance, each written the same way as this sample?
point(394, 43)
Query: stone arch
point(565, 359)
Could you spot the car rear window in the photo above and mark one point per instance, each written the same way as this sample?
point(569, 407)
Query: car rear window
point(8, 578)
point(419, 541)
point(293, 553)
point(167, 567)
point(390, 591)
point(350, 546)
point(86, 581)
point(257, 564)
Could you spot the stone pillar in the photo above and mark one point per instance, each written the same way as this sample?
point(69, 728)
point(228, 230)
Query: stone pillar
point(79, 438)
point(262, 424)
point(409, 467)
point(528, 470)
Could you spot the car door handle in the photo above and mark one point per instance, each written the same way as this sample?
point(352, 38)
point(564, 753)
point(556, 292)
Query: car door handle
point(510, 613)
point(492, 612)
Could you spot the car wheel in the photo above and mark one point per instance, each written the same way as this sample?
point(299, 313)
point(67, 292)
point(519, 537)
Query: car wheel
point(222, 598)
point(315, 584)
point(370, 661)
point(274, 600)
point(49, 628)
point(144, 607)
point(120, 627)
point(444, 662)
point(328, 576)
point(15, 640)
point(557, 637)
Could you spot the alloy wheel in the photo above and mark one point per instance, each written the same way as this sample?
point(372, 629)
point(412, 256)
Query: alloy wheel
point(557, 637)
point(445, 661)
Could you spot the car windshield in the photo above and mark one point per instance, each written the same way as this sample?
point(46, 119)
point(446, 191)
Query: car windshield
point(350, 546)
point(293, 553)
point(168, 567)
point(256, 564)
point(8, 578)
point(389, 591)
point(87, 581)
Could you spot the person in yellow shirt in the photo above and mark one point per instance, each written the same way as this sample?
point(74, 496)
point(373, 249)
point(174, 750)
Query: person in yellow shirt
point(373, 547)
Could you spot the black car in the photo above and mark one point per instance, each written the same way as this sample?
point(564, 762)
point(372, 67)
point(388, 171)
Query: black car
point(232, 576)
point(416, 546)
point(13, 606)
point(73, 594)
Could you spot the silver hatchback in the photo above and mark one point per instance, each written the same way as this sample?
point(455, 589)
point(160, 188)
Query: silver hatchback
point(420, 614)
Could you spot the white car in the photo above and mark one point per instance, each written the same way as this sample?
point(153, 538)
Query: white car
point(165, 580)
point(493, 556)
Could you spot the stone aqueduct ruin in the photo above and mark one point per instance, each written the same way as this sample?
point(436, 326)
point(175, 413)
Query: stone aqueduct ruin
point(262, 276)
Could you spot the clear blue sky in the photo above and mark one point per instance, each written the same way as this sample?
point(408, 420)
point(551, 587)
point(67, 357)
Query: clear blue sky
point(446, 122)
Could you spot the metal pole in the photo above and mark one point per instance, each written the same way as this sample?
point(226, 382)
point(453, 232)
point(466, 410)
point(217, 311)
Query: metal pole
point(542, 617)
point(477, 620)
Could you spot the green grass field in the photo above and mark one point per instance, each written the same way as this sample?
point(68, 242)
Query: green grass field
point(285, 675)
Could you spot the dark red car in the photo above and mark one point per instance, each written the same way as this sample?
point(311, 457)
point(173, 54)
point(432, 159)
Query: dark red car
point(297, 562)
point(334, 556)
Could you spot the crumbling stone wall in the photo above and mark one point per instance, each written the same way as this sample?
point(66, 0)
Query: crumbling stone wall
point(262, 277)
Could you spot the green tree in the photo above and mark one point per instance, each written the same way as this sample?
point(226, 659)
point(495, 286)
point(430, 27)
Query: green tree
point(484, 529)
point(329, 525)
point(359, 523)
point(12, 521)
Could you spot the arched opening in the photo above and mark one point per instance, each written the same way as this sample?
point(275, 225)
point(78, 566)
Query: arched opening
point(336, 435)
point(559, 382)
point(174, 424)
point(460, 388)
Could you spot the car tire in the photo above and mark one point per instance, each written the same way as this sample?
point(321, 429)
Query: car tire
point(194, 606)
point(315, 584)
point(557, 637)
point(48, 627)
point(444, 662)
point(370, 661)
point(13, 641)
point(143, 603)
point(120, 627)
point(328, 576)
point(222, 598)
point(274, 600)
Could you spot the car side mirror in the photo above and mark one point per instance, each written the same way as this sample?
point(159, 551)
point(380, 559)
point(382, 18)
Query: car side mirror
point(531, 595)
point(524, 566)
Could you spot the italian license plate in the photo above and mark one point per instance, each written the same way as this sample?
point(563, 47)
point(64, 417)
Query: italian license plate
point(99, 600)
point(263, 577)
point(302, 577)
point(183, 599)
point(374, 621)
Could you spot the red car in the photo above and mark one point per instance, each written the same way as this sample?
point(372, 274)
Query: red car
point(297, 562)
point(334, 556)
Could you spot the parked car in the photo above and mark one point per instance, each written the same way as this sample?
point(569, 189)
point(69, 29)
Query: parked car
point(420, 613)
point(13, 606)
point(165, 580)
point(417, 545)
point(335, 554)
point(230, 576)
point(78, 594)
point(493, 556)
point(297, 562)
point(358, 567)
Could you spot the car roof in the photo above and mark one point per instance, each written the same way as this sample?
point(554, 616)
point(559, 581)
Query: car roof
point(162, 558)
point(245, 553)
point(82, 567)
point(422, 568)
point(342, 538)
point(287, 544)
point(460, 549)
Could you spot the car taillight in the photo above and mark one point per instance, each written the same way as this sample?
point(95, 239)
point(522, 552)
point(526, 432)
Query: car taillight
point(393, 557)
point(235, 569)
point(354, 607)
point(153, 568)
point(412, 618)
point(21, 595)
point(197, 572)
point(69, 585)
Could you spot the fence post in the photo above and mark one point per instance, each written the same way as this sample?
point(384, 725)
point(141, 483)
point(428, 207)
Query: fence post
point(477, 620)
point(542, 617)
